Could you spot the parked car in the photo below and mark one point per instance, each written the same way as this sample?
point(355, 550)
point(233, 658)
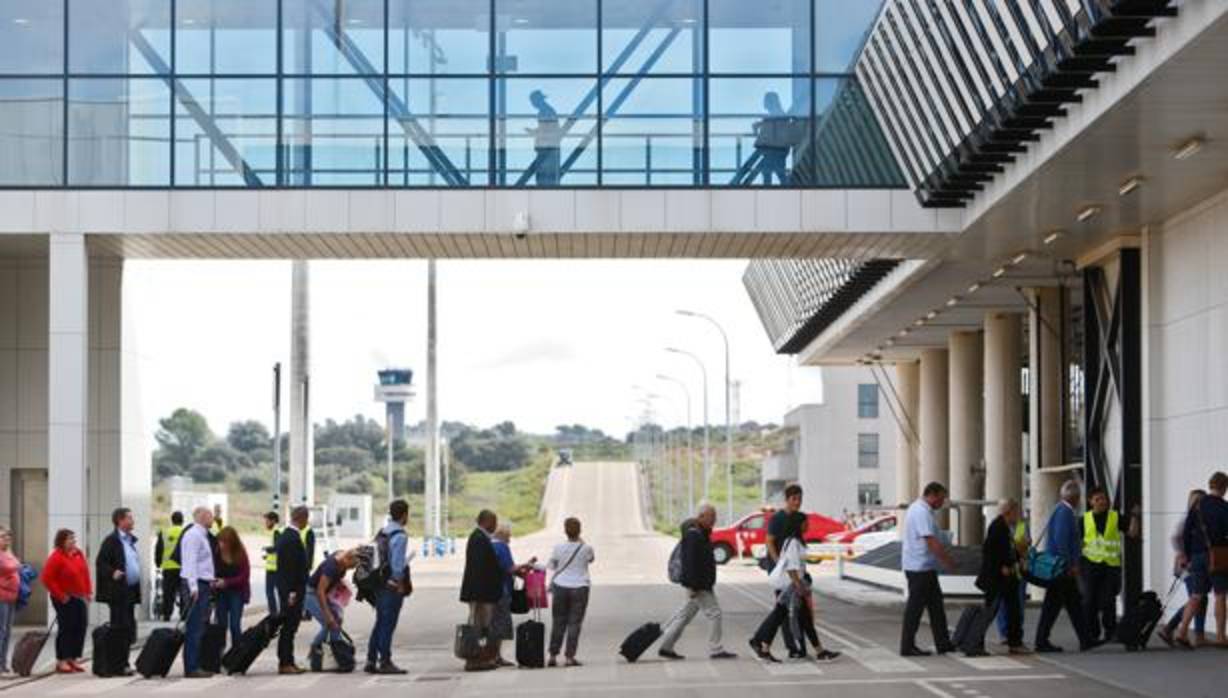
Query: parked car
point(881, 524)
point(564, 457)
point(749, 534)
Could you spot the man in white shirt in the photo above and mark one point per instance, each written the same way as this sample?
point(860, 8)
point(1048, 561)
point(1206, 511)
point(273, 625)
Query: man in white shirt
point(196, 560)
point(921, 553)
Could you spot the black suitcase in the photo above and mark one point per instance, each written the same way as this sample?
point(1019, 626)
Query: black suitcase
point(531, 644)
point(1139, 622)
point(159, 652)
point(639, 641)
point(252, 642)
point(212, 643)
point(110, 652)
point(974, 622)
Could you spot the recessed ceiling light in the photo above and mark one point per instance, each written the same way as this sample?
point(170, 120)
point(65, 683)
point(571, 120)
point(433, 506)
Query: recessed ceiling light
point(20, 20)
point(189, 21)
point(1129, 185)
point(1088, 213)
point(931, 315)
point(1053, 237)
point(1018, 259)
point(919, 321)
point(520, 20)
point(354, 21)
point(952, 301)
point(904, 332)
point(1188, 148)
point(890, 342)
point(974, 288)
point(999, 272)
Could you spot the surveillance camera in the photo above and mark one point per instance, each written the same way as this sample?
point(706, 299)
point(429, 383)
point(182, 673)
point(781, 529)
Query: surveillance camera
point(521, 225)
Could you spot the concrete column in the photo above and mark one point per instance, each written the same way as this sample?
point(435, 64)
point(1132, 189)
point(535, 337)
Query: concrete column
point(967, 435)
point(1003, 407)
point(302, 456)
point(908, 388)
point(933, 421)
point(1044, 402)
point(67, 384)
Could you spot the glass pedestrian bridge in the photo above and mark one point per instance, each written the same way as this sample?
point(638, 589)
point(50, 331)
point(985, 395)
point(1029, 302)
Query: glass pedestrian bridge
point(437, 93)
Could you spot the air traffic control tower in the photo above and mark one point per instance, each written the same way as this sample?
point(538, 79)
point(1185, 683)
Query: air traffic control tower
point(394, 389)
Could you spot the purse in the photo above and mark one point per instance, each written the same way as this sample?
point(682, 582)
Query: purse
point(1043, 567)
point(468, 642)
point(1217, 553)
point(520, 601)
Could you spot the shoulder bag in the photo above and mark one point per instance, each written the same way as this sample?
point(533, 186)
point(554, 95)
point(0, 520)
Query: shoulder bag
point(1217, 553)
point(1043, 567)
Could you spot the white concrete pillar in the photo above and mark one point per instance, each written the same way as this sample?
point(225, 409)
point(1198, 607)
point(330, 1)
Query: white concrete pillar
point(1003, 406)
point(967, 436)
point(302, 456)
point(1044, 402)
point(933, 421)
point(908, 388)
point(67, 384)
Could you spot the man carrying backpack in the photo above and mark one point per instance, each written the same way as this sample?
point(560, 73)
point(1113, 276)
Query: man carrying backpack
point(698, 577)
point(391, 543)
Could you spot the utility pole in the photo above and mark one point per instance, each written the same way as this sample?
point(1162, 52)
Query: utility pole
point(277, 438)
point(431, 481)
point(703, 372)
point(728, 412)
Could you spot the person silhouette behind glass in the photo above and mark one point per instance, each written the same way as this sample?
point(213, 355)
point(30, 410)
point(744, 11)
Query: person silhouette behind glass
point(775, 136)
point(547, 141)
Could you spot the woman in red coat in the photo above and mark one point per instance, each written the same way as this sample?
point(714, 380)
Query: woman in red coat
point(67, 578)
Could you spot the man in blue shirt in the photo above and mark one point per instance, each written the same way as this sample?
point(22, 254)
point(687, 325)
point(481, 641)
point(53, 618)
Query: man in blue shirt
point(117, 569)
point(1064, 541)
point(922, 551)
point(392, 542)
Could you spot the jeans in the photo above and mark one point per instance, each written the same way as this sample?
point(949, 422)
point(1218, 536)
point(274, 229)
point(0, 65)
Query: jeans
point(230, 613)
point(1062, 593)
point(194, 629)
point(313, 609)
point(387, 612)
point(1100, 602)
point(570, 605)
point(924, 594)
point(801, 621)
point(71, 619)
point(776, 619)
point(696, 601)
point(270, 593)
point(7, 611)
point(1002, 614)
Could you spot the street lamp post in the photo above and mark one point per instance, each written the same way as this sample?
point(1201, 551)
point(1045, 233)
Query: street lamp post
point(703, 371)
point(690, 427)
point(728, 412)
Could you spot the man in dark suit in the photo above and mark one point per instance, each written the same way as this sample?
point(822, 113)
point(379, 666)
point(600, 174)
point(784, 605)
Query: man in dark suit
point(118, 571)
point(999, 577)
point(482, 584)
point(292, 571)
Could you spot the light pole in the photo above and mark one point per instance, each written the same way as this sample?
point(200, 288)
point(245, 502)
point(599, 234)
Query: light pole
point(728, 413)
point(703, 371)
point(277, 438)
point(690, 470)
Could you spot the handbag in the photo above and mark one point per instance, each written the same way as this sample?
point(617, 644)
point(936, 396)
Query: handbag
point(1043, 567)
point(468, 642)
point(520, 601)
point(1217, 553)
point(779, 578)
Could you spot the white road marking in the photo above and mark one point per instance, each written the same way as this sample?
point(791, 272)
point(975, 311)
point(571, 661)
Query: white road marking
point(792, 669)
point(883, 661)
point(934, 689)
point(290, 684)
point(180, 685)
point(91, 686)
point(689, 671)
point(992, 663)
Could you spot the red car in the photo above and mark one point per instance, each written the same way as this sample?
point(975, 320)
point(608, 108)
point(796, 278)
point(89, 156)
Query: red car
point(751, 531)
point(876, 525)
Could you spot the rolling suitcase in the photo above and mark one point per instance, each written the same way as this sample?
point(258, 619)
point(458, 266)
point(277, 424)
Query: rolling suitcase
point(251, 644)
point(1140, 620)
point(211, 646)
point(531, 643)
point(110, 652)
point(639, 641)
point(974, 622)
point(29, 646)
point(159, 652)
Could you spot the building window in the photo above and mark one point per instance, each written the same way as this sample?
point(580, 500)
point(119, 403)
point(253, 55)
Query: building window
point(867, 401)
point(867, 450)
point(867, 494)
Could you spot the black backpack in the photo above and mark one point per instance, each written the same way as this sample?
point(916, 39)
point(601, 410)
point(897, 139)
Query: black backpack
point(374, 567)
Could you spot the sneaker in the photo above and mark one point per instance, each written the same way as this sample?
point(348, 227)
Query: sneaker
point(722, 655)
point(795, 654)
point(1048, 648)
point(389, 668)
point(914, 652)
point(762, 652)
point(669, 654)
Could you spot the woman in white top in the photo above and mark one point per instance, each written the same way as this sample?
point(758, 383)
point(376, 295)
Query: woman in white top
point(794, 584)
point(569, 589)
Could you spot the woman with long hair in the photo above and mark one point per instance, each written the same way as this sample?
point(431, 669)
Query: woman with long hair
point(66, 575)
point(10, 588)
point(1181, 561)
point(795, 590)
point(232, 588)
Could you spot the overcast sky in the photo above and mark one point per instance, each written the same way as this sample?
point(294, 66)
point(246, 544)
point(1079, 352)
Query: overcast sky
point(540, 343)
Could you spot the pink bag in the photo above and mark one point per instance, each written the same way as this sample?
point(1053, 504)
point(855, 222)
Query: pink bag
point(535, 589)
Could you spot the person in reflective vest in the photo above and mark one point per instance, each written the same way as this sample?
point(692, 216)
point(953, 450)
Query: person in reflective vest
point(272, 524)
point(1101, 565)
point(167, 540)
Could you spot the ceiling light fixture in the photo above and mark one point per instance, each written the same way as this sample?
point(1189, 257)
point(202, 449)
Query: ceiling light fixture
point(919, 321)
point(1088, 213)
point(999, 272)
point(1188, 148)
point(21, 20)
point(890, 342)
point(1129, 185)
point(931, 315)
point(952, 301)
point(1053, 237)
point(904, 332)
point(189, 21)
point(974, 288)
point(1018, 259)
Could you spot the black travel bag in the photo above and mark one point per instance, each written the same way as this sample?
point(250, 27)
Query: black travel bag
point(531, 643)
point(110, 651)
point(159, 652)
point(1140, 620)
point(211, 646)
point(335, 656)
point(639, 641)
point(251, 644)
point(970, 631)
point(28, 649)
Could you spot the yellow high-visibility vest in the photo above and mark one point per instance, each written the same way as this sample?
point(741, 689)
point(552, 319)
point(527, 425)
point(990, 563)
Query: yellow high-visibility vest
point(270, 558)
point(169, 541)
point(1103, 549)
point(1021, 532)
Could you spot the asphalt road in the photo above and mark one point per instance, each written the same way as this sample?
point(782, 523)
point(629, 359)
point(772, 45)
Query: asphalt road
point(628, 590)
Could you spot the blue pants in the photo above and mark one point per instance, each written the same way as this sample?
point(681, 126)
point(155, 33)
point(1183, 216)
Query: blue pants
point(313, 609)
point(194, 629)
point(230, 613)
point(270, 592)
point(387, 613)
point(1023, 604)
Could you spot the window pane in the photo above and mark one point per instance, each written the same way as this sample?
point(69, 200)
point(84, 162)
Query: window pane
point(226, 132)
point(672, 42)
point(850, 149)
point(119, 36)
point(31, 36)
point(443, 137)
point(118, 132)
point(867, 450)
point(546, 36)
point(867, 401)
point(439, 36)
point(653, 131)
point(226, 37)
point(333, 132)
point(542, 131)
point(840, 31)
point(333, 38)
point(759, 127)
point(765, 36)
point(31, 132)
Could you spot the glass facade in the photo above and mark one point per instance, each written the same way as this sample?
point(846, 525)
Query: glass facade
point(437, 93)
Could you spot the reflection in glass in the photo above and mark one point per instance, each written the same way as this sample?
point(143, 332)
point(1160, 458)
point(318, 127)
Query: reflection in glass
point(544, 36)
point(31, 132)
point(441, 135)
point(759, 127)
point(228, 37)
point(323, 37)
point(119, 37)
point(332, 132)
point(31, 36)
point(118, 132)
point(652, 36)
point(545, 131)
point(765, 36)
point(840, 28)
point(438, 36)
point(846, 152)
point(226, 132)
point(653, 131)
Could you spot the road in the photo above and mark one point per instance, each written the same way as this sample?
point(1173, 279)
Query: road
point(628, 590)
